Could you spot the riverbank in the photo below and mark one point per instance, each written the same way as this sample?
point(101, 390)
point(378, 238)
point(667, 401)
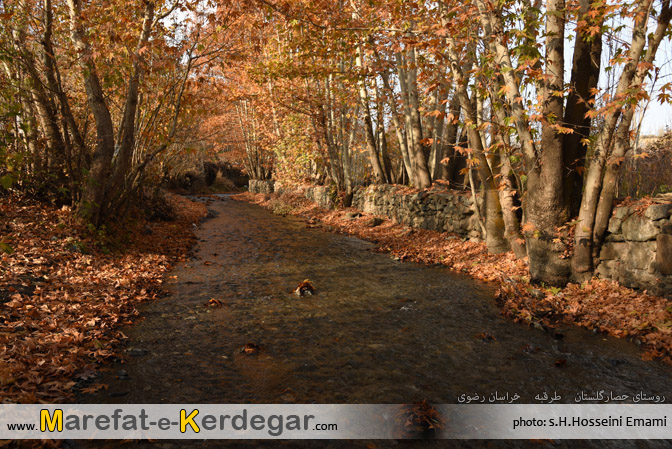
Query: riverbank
point(600, 305)
point(65, 290)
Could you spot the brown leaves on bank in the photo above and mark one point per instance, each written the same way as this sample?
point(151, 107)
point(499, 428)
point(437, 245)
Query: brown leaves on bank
point(64, 293)
point(598, 304)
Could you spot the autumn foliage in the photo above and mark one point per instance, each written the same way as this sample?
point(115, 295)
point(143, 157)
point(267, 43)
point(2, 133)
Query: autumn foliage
point(64, 294)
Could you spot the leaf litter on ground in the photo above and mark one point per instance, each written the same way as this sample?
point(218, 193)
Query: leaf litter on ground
point(64, 295)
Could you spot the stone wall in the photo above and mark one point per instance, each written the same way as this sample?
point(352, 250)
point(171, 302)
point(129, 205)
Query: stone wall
point(637, 251)
point(450, 211)
point(259, 186)
point(323, 196)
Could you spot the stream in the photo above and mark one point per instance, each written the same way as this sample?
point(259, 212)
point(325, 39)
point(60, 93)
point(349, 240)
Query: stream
point(376, 331)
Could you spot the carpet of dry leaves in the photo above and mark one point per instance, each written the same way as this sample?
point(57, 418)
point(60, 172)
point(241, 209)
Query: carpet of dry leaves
point(65, 290)
point(599, 304)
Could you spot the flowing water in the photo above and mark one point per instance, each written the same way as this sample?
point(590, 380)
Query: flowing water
point(377, 331)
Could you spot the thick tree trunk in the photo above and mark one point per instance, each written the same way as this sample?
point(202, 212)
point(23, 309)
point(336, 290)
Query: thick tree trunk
point(101, 164)
point(544, 202)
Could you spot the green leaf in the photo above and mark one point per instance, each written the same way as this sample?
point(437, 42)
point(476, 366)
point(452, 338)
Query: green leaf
point(7, 181)
point(6, 248)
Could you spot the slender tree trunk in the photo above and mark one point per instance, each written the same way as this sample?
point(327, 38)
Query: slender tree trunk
point(582, 260)
point(420, 149)
point(128, 124)
point(494, 222)
point(438, 134)
point(381, 140)
point(450, 140)
point(368, 125)
point(622, 140)
point(398, 130)
point(585, 75)
point(408, 134)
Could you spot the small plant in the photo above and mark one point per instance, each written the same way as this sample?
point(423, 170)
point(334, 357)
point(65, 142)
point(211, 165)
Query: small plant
point(281, 208)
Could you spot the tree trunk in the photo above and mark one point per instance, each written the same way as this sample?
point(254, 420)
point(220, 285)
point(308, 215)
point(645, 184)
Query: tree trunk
point(128, 128)
point(494, 222)
point(622, 140)
point(420, 148)
point(368, 125)
point(544, 204)
point(582, 260)
point(94, 191)
point(381, 140)
point(398, 130)
point(585, 75)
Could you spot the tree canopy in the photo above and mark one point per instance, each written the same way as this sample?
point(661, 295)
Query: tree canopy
point(531, 104)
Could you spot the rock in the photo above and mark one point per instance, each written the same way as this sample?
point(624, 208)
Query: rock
point(607, 269)
point(613, 250)
point(664, 253)
point(639, 229)
point(666, 228)
point(639, 256)
point(614, 225)
point(635, 278)
point(305, 288)
point(657, 211)
point(259, 186)
point(352, 215)
point(614, 238)
point(622, 212)
point(375, 221)
point(137, 352)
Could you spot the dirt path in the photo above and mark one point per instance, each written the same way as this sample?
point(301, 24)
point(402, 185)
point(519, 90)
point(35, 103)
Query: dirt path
point(378, 331)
